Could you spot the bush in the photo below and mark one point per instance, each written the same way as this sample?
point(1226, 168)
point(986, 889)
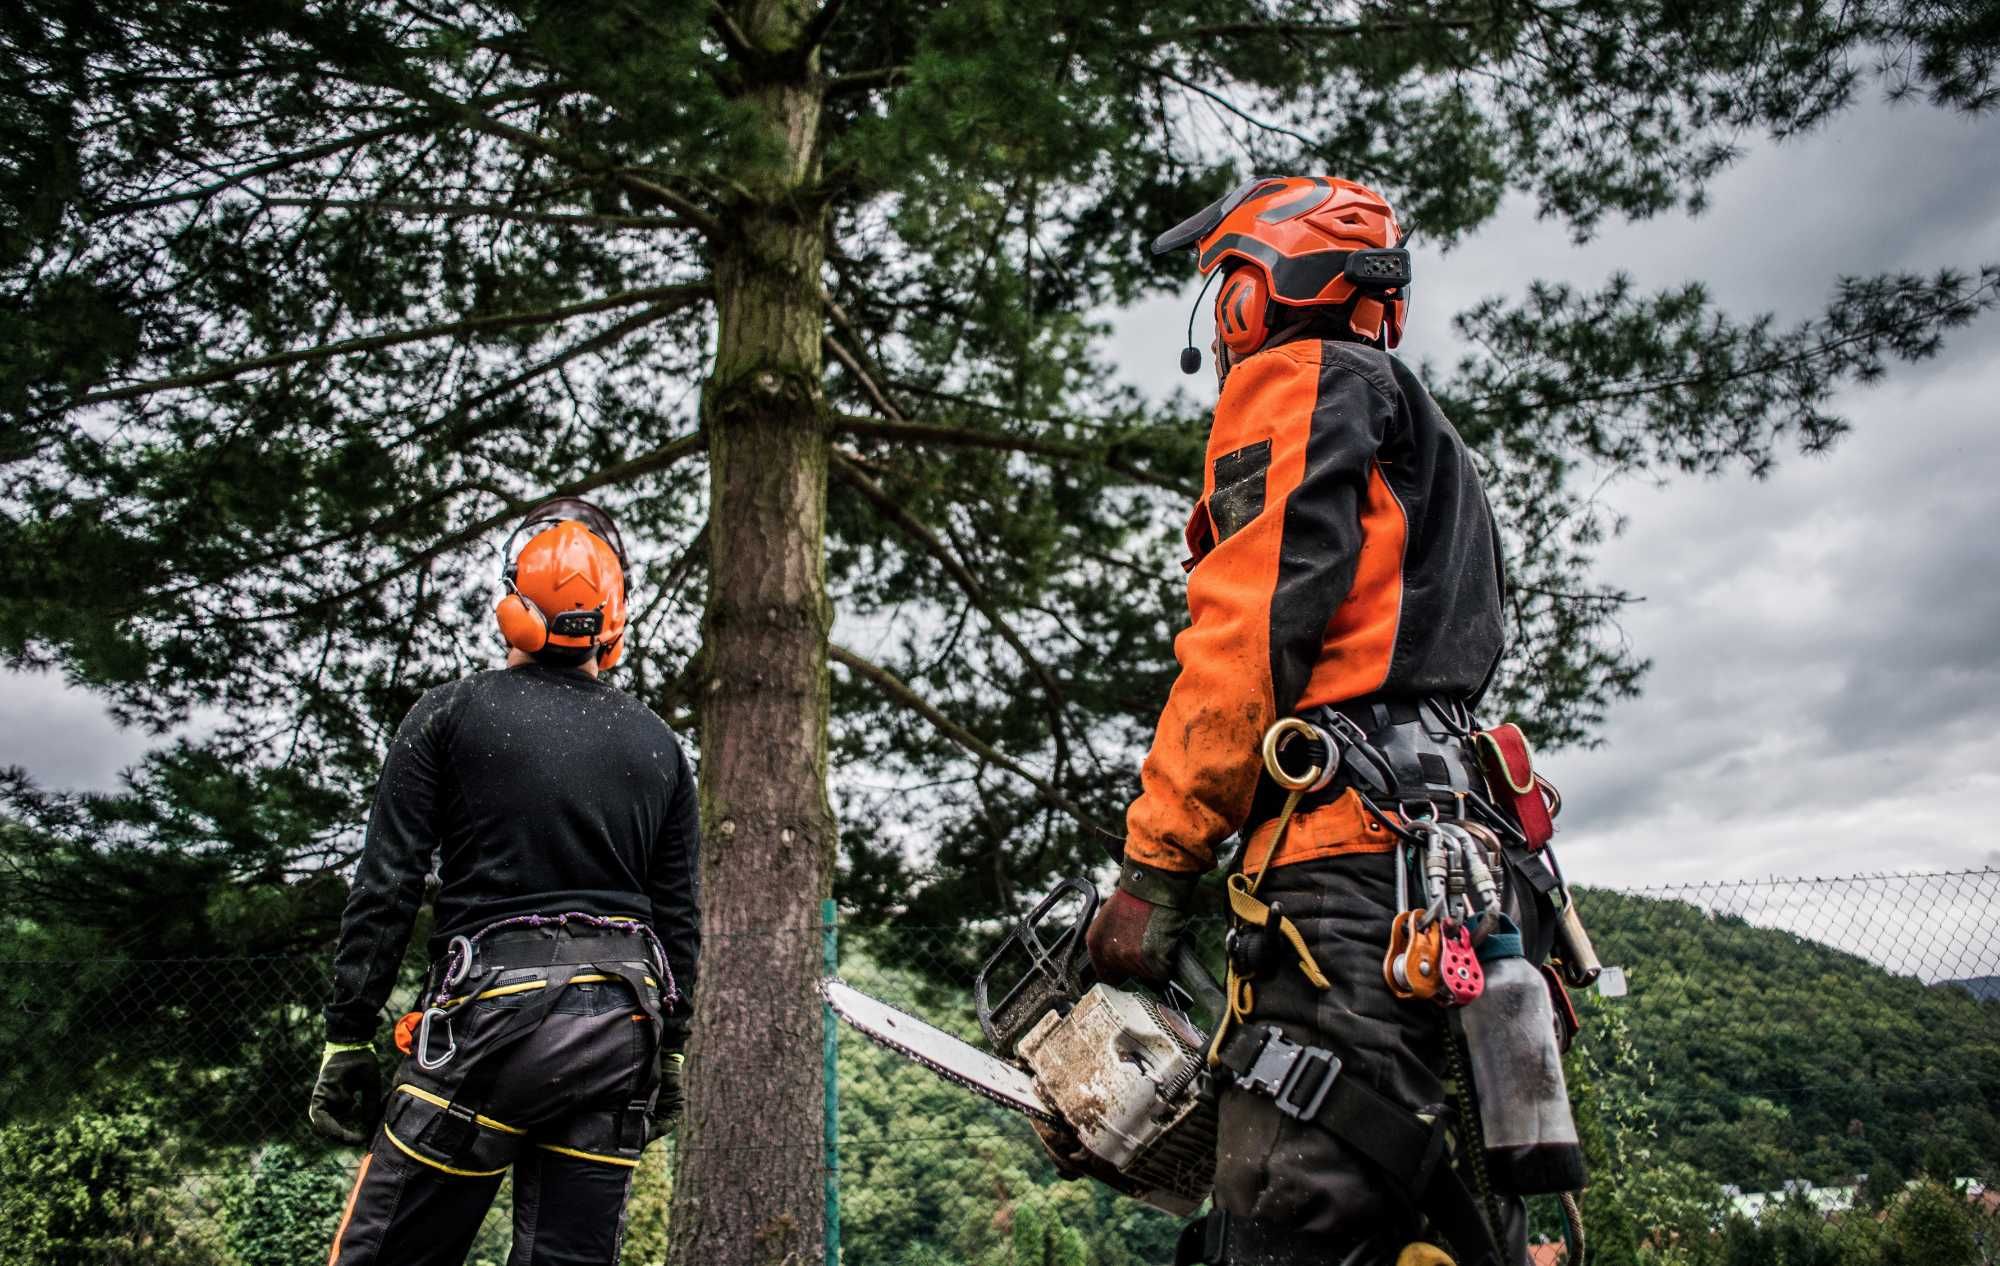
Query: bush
point(1932, 1226)
point(91, 1190)
point(284, 1207)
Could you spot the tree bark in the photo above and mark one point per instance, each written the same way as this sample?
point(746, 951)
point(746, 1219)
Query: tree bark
point(749, 1189)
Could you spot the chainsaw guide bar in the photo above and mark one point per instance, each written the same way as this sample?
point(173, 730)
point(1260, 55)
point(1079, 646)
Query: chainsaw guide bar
point(949, 1057)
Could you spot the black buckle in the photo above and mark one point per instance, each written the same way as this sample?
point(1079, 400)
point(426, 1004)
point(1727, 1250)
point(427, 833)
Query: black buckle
point(1284, 1070)
point(451, 1132)
point(634, 1125)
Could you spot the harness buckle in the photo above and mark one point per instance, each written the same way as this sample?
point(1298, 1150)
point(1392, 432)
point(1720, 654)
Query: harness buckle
point(1295, 1077)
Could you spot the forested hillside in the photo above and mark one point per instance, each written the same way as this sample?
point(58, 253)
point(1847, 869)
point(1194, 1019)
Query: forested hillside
point(1773, 1057)
point(1742, 1055)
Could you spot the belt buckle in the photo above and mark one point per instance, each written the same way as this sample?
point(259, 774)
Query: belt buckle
point(1281, 1068)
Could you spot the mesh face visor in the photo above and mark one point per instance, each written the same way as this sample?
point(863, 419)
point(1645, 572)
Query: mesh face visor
point(1203, 222)
point(558, 509)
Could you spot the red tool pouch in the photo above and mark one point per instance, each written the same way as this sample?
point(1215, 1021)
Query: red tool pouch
point(1200, 535)
point(1510, 774)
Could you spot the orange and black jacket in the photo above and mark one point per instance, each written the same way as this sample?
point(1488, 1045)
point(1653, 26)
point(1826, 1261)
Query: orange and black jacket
point(1343, 549)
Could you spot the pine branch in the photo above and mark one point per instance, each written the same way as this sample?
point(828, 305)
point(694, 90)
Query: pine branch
point(892, 510)
point(278, 164)
point(644, 464)
point(904, 432)
point(863, 80)
point(900, 694)
point(674, 297)
point(480, 121)
point(1211, 31)
point(820, 25)
point(466, 209)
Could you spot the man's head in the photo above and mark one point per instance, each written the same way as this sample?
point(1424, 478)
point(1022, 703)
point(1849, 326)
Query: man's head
point(1299, 255)
point(565, 599)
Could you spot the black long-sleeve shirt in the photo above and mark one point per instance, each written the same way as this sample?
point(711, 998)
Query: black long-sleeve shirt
point(547, 791)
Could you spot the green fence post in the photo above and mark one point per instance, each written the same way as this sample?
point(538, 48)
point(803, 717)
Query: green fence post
point(829, 915)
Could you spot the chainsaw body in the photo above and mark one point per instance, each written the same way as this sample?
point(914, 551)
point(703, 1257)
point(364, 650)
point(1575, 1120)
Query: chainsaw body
point(1119, 1068)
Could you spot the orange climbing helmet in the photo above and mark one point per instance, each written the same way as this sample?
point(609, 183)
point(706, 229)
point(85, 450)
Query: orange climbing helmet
point(566, 588)
point(1300, 242)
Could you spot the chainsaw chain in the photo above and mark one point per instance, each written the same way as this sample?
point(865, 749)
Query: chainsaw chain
point(957, 1079)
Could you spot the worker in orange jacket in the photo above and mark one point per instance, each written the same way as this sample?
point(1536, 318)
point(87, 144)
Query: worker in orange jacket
point(1344, 561)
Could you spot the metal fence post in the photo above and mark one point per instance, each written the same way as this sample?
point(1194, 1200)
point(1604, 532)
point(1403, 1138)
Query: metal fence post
point(829, 915)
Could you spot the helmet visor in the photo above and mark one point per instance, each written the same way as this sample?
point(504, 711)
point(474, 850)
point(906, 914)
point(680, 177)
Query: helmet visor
point(557, 509)
point(1203, 222)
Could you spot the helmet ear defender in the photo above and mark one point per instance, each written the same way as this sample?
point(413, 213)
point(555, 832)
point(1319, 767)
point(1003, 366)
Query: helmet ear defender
point(1242, 312)
point(521, 621)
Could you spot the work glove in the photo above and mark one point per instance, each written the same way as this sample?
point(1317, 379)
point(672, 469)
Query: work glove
point(347, 1097)
point(1135, 932)
point(670, 1102)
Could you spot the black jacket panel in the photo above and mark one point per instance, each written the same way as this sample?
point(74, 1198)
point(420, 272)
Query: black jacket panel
point(538, 791)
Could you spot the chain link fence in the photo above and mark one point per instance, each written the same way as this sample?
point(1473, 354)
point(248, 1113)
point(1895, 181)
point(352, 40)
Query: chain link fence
point(1803, 1072)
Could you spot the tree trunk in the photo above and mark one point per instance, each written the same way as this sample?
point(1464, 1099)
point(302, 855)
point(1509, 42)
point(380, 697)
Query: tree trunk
point(749, 1189)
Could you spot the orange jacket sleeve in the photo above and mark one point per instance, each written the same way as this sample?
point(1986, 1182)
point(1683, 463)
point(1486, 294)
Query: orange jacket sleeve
point(1291, 481)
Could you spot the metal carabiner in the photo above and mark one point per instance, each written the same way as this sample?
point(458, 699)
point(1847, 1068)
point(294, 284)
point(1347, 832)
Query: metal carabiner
point(459, 955)
point(423, 1052)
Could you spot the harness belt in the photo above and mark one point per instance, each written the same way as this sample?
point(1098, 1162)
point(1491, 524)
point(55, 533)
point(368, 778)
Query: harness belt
point(1306, 1084)
point(1394, 751)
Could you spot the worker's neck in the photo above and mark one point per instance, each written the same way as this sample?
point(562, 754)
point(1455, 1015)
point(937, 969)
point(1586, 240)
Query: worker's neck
point(520, 658)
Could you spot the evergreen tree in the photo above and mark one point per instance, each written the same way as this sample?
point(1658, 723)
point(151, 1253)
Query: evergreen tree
point(305, 302)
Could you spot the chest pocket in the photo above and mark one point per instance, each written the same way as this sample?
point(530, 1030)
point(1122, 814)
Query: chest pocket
point(1239, 488)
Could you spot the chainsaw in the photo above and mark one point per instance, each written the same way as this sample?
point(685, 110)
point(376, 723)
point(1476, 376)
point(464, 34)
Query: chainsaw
point(1113, 1078)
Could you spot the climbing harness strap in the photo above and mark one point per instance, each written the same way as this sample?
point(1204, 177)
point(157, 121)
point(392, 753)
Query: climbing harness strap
point(1308, 1083)
point(1244, 907)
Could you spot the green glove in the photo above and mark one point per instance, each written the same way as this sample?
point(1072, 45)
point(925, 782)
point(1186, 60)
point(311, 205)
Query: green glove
point(347, 1096)
point(669, 1103)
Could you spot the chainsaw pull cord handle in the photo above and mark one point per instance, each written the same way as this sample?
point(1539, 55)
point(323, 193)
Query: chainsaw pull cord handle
point(1242, 886)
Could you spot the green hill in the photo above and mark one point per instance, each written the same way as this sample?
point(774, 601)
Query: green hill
point(1762, 1056)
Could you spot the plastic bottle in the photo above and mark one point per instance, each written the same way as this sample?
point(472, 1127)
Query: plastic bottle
point(1517, 1078)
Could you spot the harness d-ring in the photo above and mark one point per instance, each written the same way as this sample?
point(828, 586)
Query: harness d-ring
point(1316, 777)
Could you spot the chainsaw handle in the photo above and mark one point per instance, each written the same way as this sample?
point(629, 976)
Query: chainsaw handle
point(1191, 974)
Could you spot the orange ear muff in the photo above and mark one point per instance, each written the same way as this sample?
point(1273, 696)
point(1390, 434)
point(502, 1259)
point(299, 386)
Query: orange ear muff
point(1241, 310)
point(522, 623)
point(609, 653)
point(1366, 318)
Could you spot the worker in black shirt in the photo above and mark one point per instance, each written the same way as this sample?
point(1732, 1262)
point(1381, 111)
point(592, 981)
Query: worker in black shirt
point(548, 1038)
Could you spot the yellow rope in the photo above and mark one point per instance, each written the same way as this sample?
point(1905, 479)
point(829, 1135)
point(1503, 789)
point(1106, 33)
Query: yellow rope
point(1243, 903)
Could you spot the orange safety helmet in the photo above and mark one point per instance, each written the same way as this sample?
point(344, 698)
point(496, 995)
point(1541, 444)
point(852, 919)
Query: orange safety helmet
point(566, 588)
point(1302, 242)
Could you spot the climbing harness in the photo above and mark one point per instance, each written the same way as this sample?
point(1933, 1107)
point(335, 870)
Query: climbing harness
point(436, 1116)
point(462, 953)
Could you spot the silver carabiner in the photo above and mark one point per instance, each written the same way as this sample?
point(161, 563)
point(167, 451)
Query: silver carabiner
point(424, 1060)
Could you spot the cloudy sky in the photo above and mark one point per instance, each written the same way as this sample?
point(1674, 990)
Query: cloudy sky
point(1825, 697)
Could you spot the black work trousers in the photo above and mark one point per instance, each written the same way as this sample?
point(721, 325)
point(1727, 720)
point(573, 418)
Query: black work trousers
point(558, 1114)
point(1295, 1193)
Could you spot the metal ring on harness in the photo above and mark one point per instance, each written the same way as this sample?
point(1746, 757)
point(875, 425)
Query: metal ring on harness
point(423, 1050)
point(1317, 777)
point(460, 958)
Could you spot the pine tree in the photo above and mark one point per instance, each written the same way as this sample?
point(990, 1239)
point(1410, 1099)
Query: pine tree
point(305, 302)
